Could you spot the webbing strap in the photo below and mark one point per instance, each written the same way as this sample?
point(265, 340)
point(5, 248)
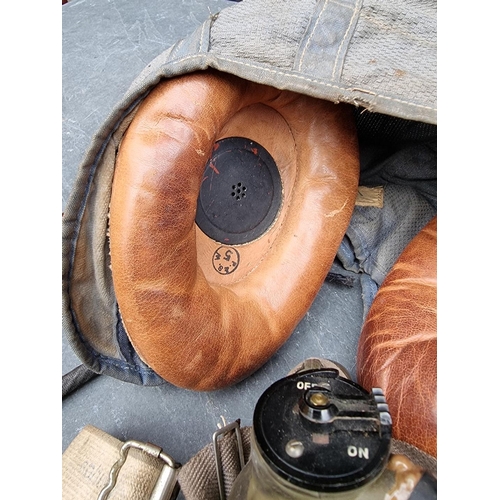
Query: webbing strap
point(74, 379)
point(87, 462)
point(198, 478)
point(89, 458)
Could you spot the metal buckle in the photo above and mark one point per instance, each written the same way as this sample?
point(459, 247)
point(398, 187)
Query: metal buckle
point(166, 487)
point(220, 473)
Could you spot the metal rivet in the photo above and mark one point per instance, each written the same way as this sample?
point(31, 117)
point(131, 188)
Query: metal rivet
point(294, 448)
point(319, 399)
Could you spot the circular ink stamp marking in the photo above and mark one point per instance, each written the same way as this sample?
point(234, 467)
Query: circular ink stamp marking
point(226, 260)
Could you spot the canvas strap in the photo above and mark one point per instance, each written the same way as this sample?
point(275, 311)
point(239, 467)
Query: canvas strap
point(209, 475)
point(90, 457)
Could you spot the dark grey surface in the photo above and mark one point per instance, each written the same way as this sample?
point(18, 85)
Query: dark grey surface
point(105, 46)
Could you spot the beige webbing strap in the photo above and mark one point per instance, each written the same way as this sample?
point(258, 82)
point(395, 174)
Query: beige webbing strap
point(88, 460)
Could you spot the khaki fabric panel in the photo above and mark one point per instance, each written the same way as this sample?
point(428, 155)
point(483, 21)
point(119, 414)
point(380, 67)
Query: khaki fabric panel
point(393, 55)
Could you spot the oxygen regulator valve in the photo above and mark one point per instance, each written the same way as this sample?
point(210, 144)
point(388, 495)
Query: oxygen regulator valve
point(318, 434)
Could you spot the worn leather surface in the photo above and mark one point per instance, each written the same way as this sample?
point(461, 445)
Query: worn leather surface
point(398, 344)
point(193, 329)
